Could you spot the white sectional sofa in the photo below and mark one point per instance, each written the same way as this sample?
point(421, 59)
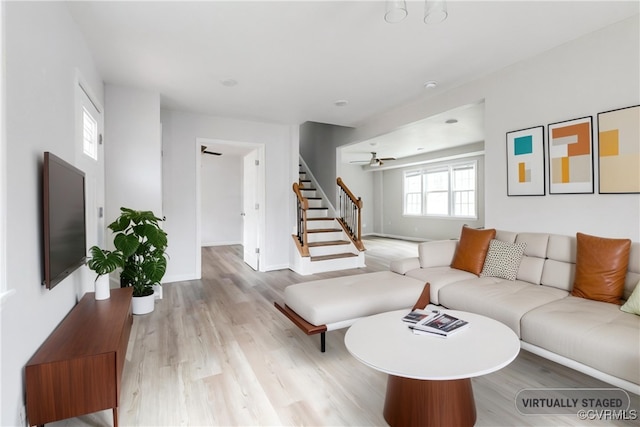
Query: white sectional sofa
point(590, 336)
point(593, 337)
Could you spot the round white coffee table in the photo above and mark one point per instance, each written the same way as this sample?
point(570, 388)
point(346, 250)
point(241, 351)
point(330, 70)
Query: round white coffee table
point(429, 377)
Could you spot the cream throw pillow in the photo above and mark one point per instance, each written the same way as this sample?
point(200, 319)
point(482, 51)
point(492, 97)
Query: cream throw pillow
point(633, 303)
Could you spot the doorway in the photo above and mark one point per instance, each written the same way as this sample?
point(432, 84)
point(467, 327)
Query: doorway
point(245, 174)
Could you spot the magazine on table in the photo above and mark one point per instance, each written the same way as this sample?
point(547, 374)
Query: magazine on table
point(441, 325)
point(419, 315)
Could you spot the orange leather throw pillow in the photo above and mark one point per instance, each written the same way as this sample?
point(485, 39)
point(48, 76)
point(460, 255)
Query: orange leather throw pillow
point(472, 249)
point(601, 268)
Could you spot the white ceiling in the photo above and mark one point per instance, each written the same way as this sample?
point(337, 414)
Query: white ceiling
point(292, 60)
point(430, 134)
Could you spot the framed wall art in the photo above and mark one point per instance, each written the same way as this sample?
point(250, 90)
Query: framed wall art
point(525, 162)
point(571, 156)
point(619, 151)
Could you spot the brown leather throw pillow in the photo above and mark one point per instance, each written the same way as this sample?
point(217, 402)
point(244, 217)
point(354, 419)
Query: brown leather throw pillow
point(472, 249)
point(601, 268)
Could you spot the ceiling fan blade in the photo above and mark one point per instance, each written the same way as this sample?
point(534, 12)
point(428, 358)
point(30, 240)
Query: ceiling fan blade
point(386, 158)
point(203, 150)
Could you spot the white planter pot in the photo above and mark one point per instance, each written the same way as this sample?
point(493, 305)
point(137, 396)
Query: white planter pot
point(143, 305)
point(102, 287)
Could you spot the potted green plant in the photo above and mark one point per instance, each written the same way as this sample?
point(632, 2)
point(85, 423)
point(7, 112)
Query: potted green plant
point(143, 244)
point(103, 262)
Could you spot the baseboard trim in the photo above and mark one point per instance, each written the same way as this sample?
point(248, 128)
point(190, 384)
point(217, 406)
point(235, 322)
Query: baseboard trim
point(209, 244)
point(394, 236)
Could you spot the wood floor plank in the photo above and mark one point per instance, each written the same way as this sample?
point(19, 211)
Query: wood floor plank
point(216, 352)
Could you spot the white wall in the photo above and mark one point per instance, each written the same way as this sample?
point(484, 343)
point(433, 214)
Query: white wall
point(595, 73)
point(44, 50)
point(133, 151)
point(179, 133)
point(221, 200)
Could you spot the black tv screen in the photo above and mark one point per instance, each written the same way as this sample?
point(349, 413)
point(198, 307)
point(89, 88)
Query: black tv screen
point(65, 246)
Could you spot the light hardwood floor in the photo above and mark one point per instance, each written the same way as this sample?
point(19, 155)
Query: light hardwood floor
point(215, 352)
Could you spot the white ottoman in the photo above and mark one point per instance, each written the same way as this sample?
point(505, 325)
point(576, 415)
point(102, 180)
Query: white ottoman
point(324, 305)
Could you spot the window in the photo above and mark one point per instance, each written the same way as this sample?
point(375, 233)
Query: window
point(443, 191)
point(413, 193)
point(89, 134)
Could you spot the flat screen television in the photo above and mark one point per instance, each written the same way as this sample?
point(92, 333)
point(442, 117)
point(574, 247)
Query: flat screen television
point(65, 240)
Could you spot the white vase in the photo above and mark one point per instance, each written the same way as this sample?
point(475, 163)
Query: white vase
point(102, 287)
point(143, 305)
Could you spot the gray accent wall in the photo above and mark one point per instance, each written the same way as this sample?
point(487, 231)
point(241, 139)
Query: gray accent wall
point(318, 143)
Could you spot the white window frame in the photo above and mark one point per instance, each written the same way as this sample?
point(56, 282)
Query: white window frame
point(451, 191)
point(89, 134)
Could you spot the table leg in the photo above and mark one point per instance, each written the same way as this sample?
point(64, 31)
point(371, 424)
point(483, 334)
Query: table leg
point(411, 402)
point(115, 417)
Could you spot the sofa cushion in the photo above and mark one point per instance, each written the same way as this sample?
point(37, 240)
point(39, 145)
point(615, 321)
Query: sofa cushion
point(633, 303)
point(633, 273)
point(472, 249)
point(534, 256)
point(536, 244)
point(439, 277)
point(559, 268)
point(506, 236)
point(499, 299)
point(601, 267)
point(503, 259)
point(437, 253)
point(401, 266)
point(593, 333)
point(327, 301)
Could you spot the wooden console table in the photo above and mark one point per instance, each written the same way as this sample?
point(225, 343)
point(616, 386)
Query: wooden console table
point(78, 369)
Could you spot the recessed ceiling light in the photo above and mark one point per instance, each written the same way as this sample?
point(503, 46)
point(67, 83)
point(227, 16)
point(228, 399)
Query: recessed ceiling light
point(431, 84)
point(229, 82)
point(451, 121)
point(341, 103)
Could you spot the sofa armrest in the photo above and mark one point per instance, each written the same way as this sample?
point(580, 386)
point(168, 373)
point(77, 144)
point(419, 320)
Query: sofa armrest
point(401, 266)
point(437, 253)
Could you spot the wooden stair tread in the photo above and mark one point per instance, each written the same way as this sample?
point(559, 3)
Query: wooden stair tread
point(325, 230)
point(324, 218)
point(334, 256)
point(328, 243)
point(318, 208)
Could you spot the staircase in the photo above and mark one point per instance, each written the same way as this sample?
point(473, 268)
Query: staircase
point(322, 241)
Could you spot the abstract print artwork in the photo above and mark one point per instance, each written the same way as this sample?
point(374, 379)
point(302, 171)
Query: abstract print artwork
point(571, 156)
point(525, 162)
point(619, 151)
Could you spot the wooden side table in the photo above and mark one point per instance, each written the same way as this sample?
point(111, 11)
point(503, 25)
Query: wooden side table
point(78, 369)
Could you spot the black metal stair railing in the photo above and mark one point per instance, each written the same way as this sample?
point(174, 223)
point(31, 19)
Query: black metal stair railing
point(350, 213)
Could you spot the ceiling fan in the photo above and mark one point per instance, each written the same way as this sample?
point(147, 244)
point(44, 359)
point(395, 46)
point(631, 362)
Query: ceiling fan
point(375, 160)
point(203, 150)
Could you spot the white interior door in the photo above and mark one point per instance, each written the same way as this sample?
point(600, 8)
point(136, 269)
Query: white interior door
point(251, 210)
